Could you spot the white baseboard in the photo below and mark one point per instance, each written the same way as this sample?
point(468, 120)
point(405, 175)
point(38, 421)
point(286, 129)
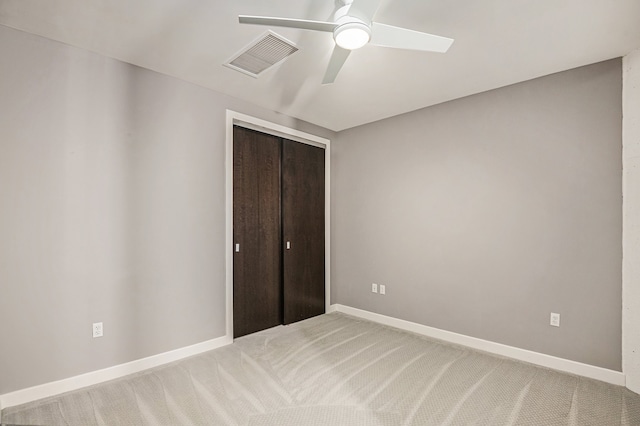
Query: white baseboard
point(77, 382)
point(548, 361)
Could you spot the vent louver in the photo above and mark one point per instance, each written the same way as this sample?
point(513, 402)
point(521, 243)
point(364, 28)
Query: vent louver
point(262, 54)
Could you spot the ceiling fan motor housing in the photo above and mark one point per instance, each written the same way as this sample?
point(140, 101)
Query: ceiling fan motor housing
point(351, 32)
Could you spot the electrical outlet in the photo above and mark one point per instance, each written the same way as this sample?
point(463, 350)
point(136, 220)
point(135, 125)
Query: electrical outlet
point(554, 320)
point(374, 288)
point(97, 329)
point(383, 289)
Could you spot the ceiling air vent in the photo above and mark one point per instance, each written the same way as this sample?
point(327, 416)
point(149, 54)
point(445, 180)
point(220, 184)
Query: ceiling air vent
point(262, 54)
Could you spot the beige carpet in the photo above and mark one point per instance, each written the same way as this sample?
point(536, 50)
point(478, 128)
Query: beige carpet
point(339, 370)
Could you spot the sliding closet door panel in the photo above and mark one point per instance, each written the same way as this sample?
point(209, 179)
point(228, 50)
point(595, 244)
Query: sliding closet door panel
point(303, 230)
point(257, 288)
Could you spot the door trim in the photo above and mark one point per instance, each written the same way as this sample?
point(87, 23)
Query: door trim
point(243, 120)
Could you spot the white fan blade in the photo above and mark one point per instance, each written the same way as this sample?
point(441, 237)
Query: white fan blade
point(402, 38)
point(364, 9)
point(338, 58)
point(302, 24)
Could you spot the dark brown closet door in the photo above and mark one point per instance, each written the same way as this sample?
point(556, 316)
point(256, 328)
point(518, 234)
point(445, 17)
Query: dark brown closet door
point(257, 292)
point(303, 228)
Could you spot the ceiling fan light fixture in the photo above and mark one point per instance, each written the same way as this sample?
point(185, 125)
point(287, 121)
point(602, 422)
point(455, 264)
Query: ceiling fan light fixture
point(352, 27)
point(352, 35)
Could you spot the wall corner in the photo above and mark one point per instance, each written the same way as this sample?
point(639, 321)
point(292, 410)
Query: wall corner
point(631, 220)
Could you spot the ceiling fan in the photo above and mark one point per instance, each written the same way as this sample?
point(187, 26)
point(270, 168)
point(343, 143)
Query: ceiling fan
point(352, 28)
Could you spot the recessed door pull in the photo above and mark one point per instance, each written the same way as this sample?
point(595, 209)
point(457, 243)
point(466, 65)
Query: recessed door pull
point(288, 245)
point(237, 248)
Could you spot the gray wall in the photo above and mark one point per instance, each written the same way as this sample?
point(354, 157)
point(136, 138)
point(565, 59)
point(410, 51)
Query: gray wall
point(484, 214)
point(112, 209)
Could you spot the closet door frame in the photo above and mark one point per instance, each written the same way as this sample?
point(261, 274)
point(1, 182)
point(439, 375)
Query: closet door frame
point(234, 118)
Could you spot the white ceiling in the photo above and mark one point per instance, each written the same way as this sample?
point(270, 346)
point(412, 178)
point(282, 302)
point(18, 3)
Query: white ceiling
point(497, 43)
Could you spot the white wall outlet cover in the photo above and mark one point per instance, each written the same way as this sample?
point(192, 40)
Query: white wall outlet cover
point(554, 319)
point(97, 329)
point(383, 289)
point(374, 288)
